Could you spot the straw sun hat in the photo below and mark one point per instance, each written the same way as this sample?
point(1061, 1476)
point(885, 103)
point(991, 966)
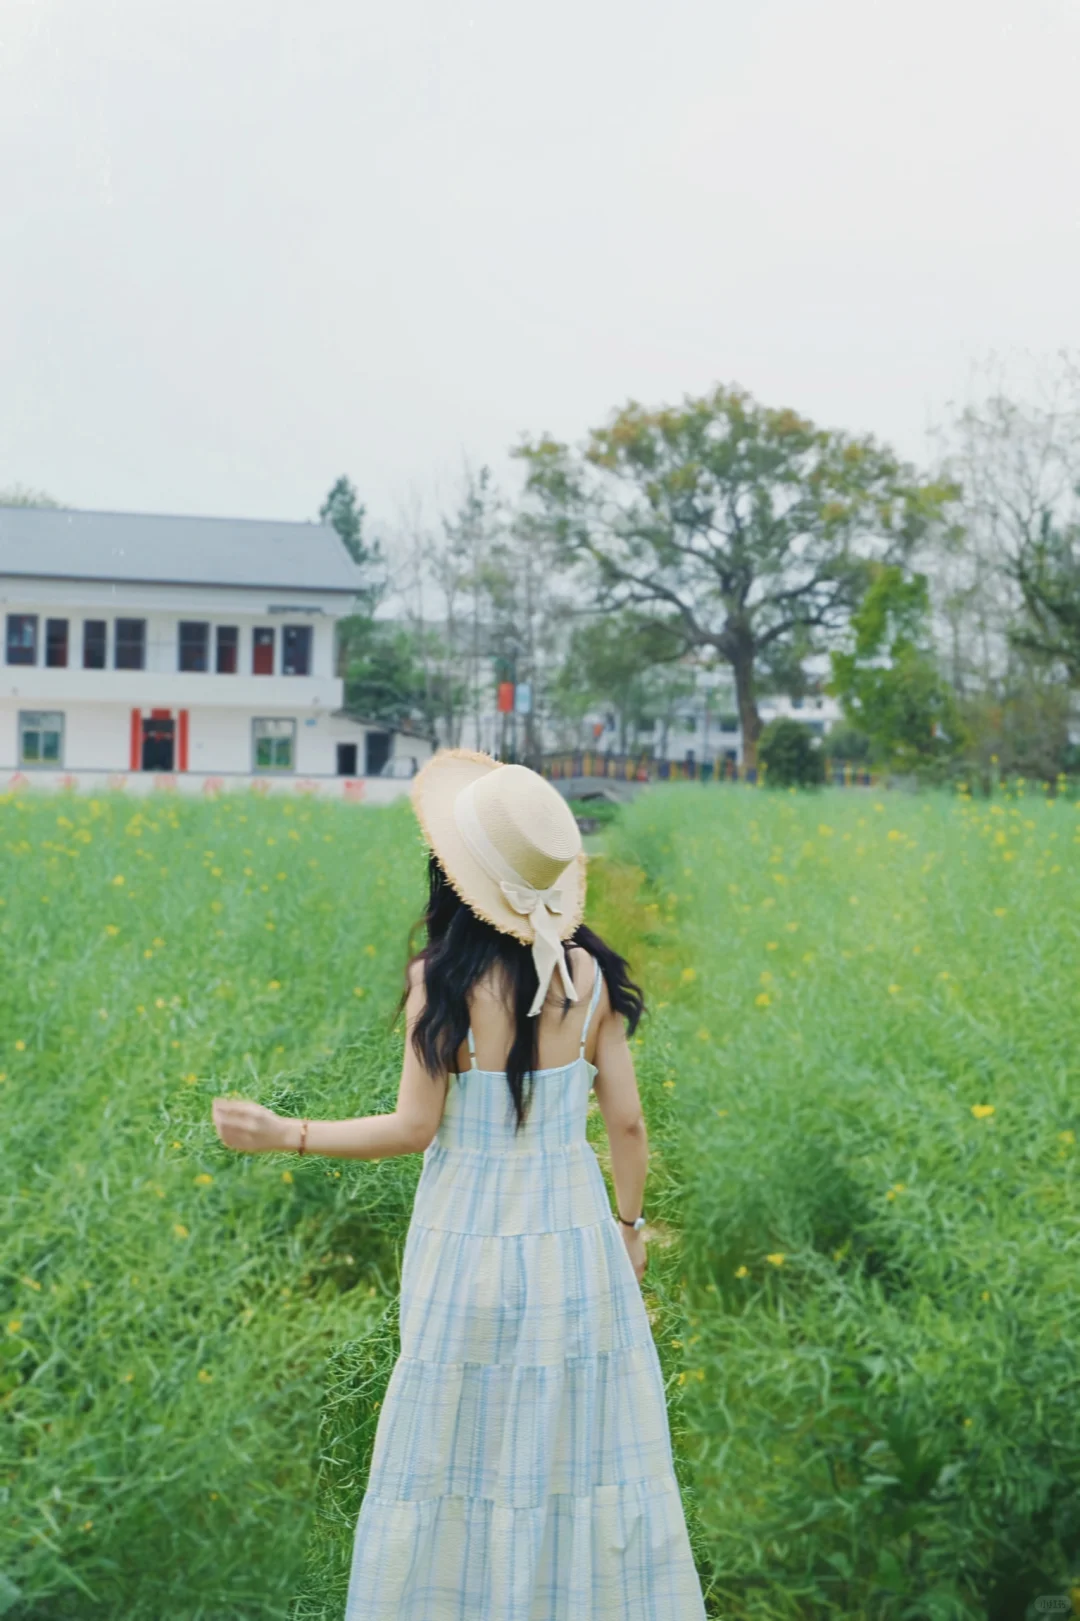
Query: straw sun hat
point(510, 847)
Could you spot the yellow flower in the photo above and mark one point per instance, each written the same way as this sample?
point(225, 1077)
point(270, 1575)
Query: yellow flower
point(112, 928)
point(982, 1111)
point(203, 1180)
point(126, 1378)
point(88, 1525)
point(32, 1283)
point(689, 975)
point(271, 926)
point(791, 927)
point(274, 985)
point(1000, 911)
point(215, 872)
point(762, 999)
point(158, 941)
point(159, 1001)
point(771, 945)
point(1066, 1136)
point(775, 1260)
point(986, 1294)
point(205, 1378)
point(669, 1086)
point(20, 1046)
point(825, 830)
point(180, 1231)
point(14, 1325)
point(681, 1379)
point(704, 1035)
point(358, 990)
point(894, 990)
point(119, 880)
point(191, 1080)
point(286, 1176)
point(369, 951)
point(148, 953)
point(742, 1271)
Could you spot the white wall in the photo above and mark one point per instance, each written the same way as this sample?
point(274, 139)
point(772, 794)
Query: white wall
point(97, 737)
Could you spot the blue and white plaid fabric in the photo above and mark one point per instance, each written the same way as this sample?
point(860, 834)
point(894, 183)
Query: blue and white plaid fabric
point(522, 1468)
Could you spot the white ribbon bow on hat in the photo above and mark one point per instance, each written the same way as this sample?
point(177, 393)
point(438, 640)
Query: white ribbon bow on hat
point(541, 906)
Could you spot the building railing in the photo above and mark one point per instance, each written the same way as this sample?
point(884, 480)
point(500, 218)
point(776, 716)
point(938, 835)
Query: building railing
point(643, 768)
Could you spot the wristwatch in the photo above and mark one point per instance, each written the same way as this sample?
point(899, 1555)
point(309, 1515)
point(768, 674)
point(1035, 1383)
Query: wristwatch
point(636, 1225)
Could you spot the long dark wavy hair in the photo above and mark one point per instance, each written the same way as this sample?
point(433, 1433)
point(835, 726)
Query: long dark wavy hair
point(460, 949)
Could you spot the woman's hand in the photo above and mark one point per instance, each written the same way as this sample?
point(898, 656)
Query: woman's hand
point(251, 1129)
point(635, 1248)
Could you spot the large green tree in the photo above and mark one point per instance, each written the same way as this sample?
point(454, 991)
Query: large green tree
point(887, 679)
point(749, 529)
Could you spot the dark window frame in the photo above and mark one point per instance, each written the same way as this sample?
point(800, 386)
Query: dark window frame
point(25, 718)
point(24, 622)
point(263, 636)
point(95, 656)
point(226, 641)
point(280, 721)
point(193, 646)
point(57, 631)
point(297, 639)
point(126, 645)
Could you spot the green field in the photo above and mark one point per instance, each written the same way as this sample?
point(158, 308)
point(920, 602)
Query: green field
point(861, 1080)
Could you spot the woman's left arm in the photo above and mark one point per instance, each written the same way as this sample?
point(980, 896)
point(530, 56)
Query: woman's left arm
point(251, 1129)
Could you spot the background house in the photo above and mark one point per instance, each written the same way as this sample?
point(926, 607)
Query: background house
point(201, 650)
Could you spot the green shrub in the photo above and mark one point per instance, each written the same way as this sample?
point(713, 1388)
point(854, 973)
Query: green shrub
point(791, 755)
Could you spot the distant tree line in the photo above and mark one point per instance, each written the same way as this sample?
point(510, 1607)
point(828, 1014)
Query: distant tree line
point(941, 607)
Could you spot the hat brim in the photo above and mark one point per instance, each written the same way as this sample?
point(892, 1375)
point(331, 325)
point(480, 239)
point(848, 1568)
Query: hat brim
point(434, 789)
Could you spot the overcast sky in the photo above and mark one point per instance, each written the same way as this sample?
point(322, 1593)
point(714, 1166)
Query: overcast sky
point(246, 245)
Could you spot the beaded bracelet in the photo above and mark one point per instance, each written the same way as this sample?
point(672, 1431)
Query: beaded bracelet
point(304, 1124)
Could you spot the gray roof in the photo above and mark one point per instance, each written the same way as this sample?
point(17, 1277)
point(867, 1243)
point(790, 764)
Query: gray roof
point(62, 544)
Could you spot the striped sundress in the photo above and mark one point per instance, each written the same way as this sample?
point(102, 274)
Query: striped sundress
point(522, 1467)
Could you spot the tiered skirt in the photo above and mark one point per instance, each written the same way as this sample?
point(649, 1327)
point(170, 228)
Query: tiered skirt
point(522, 1467)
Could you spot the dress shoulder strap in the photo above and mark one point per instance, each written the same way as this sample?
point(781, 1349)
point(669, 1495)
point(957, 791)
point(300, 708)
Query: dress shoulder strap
point(598, 980)
point(472, 1049)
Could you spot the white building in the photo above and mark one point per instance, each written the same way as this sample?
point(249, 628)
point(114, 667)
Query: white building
point(181, 652)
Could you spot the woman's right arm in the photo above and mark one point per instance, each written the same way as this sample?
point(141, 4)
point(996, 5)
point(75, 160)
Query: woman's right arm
point(617, 1094)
